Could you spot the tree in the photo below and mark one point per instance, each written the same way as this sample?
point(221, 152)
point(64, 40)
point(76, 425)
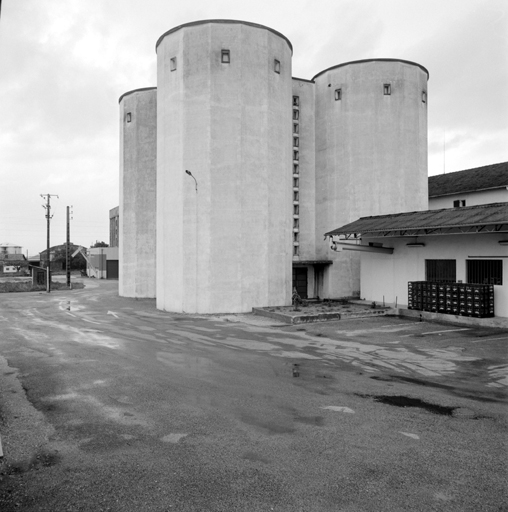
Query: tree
point(99, 244)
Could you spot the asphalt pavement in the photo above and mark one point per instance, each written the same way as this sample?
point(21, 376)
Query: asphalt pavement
point(107, 403)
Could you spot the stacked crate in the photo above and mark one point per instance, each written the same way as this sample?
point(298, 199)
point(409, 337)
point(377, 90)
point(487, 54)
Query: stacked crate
point(452, 298)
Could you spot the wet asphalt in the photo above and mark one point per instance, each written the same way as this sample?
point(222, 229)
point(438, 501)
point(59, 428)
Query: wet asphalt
point(108, 404)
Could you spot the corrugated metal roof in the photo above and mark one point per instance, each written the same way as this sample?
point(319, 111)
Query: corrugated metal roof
point(469, 219)
point(470, 180)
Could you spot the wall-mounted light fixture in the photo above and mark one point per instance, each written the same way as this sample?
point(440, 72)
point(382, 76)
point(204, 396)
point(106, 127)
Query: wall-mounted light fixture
point(190, 174)
point(415, 243)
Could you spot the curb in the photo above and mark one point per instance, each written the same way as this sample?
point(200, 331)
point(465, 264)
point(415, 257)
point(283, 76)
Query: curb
point(320, 317)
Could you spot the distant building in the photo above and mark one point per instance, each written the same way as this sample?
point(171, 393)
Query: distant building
point(102, 262)
point(12, 260)
point(113, 227)
point(7, 250)
point(471, 187)
point(57, 256)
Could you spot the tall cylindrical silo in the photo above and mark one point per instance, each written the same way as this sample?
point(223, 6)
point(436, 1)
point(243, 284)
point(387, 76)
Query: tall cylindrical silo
point(138, 177)
point(224, 115)
point(371, 149)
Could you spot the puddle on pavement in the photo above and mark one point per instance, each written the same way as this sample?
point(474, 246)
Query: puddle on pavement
point(405, 401)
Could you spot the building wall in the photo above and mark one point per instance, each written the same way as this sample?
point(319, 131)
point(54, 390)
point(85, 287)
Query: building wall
point(386, 276)
point(114, 227)
point(498, 195)
point(98, 258)
point(304, 231)
point(371, 152)
point(137, 210)
point(10, 249)
point(225, 247)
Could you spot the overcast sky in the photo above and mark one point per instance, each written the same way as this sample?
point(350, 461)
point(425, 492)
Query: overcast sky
point(65, 63)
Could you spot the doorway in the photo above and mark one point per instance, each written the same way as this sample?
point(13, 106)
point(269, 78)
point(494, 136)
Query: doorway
point(300, 281)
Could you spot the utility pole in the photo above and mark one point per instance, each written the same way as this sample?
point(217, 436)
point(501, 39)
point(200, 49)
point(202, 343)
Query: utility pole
point(47, 207)
point(68, 249)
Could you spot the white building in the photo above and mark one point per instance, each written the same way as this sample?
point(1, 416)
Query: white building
point(481, 185)
point(455, 245)
point(253, 166)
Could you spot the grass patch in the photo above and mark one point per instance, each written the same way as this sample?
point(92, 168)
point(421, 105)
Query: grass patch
point(27, 286)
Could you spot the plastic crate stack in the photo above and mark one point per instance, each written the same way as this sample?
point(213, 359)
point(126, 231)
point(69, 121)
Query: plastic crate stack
point(452, 298)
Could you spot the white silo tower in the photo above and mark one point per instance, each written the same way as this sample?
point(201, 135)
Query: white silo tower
point(371, 150)
point(224, 115)
point(137, 211)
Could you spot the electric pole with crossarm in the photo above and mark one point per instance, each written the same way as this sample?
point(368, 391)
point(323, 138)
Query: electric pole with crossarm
point(47, 207)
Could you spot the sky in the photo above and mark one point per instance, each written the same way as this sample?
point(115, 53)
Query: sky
point(65, 63)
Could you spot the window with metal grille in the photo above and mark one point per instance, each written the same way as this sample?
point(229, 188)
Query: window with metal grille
point(441, 271)
point(484, 271)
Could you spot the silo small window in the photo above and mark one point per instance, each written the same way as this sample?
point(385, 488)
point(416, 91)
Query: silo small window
point(387, 89)
point(296, 250)
point(225, 57)
point(338, 94)
point(295, 128)
point(295, 183)
point(172, 64)
point(128, 117)
point(424, 97)
point(296, 101)
point(295, 155)
point(296, 169)
point(296, 142)
point(296, 115)
point(276, 66)
point(296, 209)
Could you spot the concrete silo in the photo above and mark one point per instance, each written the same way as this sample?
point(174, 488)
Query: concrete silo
point(224, 115)
point(371, 150)
point(137, 212)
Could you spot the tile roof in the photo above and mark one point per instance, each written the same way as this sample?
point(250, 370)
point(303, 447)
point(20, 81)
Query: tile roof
point(470, 180)
point(470, 219)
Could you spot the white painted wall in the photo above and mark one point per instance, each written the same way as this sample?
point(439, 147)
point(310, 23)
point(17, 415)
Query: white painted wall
point(137, 210)
point(497, 195)
point(371, 154)
point(97, 260)
point(384, 275)
point(227, 246)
